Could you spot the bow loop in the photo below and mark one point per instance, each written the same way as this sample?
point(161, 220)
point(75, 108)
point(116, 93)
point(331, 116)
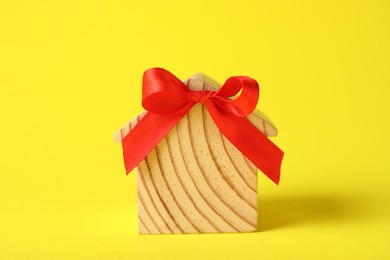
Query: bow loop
point(246, 102)
point(163, 92)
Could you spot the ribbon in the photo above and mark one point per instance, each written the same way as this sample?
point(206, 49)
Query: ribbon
point(168, 100)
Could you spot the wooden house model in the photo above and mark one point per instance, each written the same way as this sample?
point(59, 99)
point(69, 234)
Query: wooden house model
point(195, 180)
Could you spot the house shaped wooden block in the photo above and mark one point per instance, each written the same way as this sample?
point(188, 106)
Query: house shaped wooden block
point(195, 180)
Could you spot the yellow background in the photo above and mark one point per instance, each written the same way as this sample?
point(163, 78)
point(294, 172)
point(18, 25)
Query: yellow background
point(70, 76)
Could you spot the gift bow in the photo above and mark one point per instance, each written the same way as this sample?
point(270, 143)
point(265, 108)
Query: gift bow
point(168, 100)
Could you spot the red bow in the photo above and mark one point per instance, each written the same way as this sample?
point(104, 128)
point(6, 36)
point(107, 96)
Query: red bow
point(168, 100)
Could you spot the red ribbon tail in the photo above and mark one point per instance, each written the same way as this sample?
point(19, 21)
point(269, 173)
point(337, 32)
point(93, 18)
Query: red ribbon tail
point(146, 135)
point(249, 140)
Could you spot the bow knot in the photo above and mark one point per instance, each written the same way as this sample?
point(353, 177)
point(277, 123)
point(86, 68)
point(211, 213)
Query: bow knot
point(168, 100)
point(200, 96)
